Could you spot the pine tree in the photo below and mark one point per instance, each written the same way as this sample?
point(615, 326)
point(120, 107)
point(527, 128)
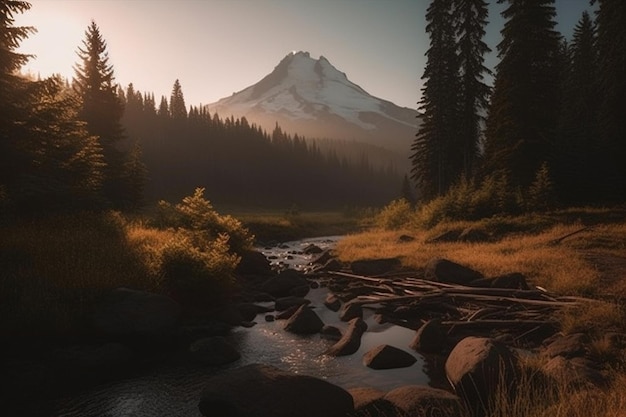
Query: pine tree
point(102, 109)
point(178, 110)
point(470, 20)
point(436, 163)
point(577, 162)
point(524, 106)
point(14, 91)
point(611, 21)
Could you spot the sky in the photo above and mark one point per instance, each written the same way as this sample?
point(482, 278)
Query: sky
point(218, 47)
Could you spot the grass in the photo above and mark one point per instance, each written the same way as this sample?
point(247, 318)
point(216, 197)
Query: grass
point(292, 224)
point(590, 263)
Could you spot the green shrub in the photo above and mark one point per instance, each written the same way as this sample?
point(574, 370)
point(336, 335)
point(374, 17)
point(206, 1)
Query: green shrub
point(197, 269)
point(395, 215)
point(197, 214)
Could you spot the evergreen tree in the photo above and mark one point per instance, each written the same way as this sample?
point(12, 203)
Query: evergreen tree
point(524, 106)
point(102, 109)
point(164, 110)
point(577, 163)
point(436, 163)
point(611, 21)
point(470, 20)
point(178, 110)
point(14, 92)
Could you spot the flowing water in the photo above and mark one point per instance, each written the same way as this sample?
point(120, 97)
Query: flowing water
point(174, 390)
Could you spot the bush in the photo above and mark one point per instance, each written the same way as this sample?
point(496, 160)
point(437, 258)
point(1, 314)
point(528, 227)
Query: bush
point(197, 270)
point(196, 213)
point(395, 215)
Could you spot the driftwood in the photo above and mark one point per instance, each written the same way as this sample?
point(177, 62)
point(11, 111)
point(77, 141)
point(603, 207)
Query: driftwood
point(562, 238)
point(408, 300)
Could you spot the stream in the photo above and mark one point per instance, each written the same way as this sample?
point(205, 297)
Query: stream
point(174, 389)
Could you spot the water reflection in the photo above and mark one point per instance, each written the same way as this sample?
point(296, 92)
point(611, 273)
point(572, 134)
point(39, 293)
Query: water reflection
point(174, 390)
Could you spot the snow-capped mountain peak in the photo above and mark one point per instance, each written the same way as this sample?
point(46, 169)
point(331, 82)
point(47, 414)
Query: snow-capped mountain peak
point(310, 96)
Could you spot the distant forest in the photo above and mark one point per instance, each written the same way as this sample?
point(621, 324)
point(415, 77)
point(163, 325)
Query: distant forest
point(240, 163)
point(90, 144)
point(554, 122)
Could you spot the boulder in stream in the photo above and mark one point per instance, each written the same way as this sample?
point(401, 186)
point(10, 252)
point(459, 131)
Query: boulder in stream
point(351, 340)
point(388, 357)
point(265, 391)
point(304, 321)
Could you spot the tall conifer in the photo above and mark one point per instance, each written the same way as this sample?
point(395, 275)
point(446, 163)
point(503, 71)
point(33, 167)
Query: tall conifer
point(470, 20)
point(435, 162)
point(102, 109)
point(524, 106)
point(611, 21)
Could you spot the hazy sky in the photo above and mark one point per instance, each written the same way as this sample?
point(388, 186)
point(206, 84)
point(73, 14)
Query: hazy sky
point(217, 47)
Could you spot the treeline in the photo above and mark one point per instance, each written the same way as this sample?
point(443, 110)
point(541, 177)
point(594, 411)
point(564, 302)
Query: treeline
point(89, 144)
point(238, 162)
point(554, 118)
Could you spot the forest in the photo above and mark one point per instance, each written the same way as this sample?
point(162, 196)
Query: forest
point(551, 127)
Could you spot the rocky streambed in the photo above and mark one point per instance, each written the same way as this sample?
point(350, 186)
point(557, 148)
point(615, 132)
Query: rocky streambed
point(319, 338)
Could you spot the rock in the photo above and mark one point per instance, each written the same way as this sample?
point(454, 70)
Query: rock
point(388, 357)
point(369, 267)
point(230, 315)
point(332, 265)
point(332, 302)
point(264, 391)
point(405, 239)
point(284, 303)
point(331, 333)
point(248, 311)
point(269, 318)
point(263, 297)
point(253, 263)
point(322, 258)
point(350, 311)
point(304, 321)
point(476, 367)
point(283, 283)
point(213, 351)
point(351, 340)
point(430, 338)
point(126, 313)
point(443, 270)
point(370, 402)
point(422, 400)
point(300, 291)
point(569, 346)
point(449, 236)
point(284, 315)
point(312, 249)
point(576, 372)
point(515, 281)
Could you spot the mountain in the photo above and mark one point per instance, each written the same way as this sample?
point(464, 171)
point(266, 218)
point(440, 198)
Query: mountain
point(312, 98)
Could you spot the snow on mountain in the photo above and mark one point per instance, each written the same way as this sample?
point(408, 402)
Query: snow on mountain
point(312, 98)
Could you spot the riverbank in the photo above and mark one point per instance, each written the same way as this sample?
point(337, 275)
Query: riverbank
point(576, 254)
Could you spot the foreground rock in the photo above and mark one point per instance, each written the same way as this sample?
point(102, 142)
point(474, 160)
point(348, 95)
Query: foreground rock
point(370, 402)
point(130, 314)
point(351, 340)
point(213, 351)
point(375, 266)
point(443, 270)
point(282, 284)
point(388, 357)
point(430, 338)
point(476, 367)
point(304, 321)
point(264, 391)
point(422, 400)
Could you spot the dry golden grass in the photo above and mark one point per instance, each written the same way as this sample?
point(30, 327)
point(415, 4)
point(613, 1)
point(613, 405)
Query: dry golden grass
point(560, 268)
point(590, 263)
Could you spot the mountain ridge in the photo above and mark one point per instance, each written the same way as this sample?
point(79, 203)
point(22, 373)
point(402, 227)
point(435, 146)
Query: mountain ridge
point(311, 97)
